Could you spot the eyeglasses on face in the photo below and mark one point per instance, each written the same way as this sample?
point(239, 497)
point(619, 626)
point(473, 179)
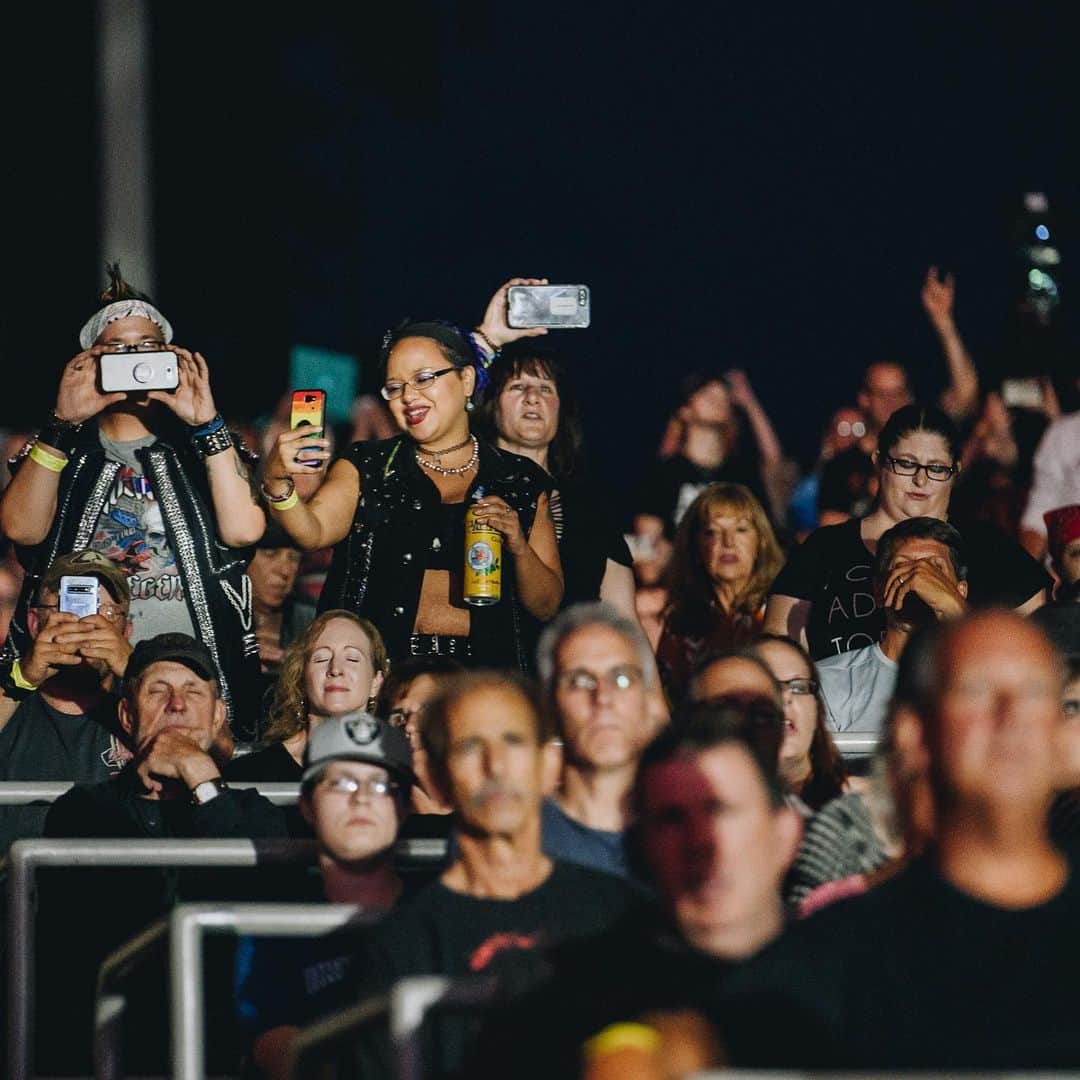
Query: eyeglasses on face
point(618, 678)
point(905, 467)
point(139, 346)
point(400, 717)
point(112, 612)
point(349, 785)
point(799, 686)
point(420, 381)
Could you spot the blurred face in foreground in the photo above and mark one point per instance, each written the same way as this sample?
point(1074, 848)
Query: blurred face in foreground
point(717, 846)
point(994, 742)
point(494, 773)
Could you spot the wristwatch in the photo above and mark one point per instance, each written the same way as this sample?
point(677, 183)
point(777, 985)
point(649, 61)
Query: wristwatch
point(208, 790)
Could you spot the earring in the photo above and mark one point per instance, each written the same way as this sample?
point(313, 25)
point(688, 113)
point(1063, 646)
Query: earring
point(371, 703)
point(470, 405)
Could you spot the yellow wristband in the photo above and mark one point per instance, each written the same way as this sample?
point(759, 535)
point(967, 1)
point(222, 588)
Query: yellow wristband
point(622, 1037)
point(18, 679)
point(287, 503)
point(52, 462)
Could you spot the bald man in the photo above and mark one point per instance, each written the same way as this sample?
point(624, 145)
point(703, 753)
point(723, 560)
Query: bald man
point(967, 958)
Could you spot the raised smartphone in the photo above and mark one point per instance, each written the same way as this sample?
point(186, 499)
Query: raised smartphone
point(562, 307)
point(308, 409)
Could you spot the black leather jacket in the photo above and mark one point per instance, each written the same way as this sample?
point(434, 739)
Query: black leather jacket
point(216, 586)
point(378, 569)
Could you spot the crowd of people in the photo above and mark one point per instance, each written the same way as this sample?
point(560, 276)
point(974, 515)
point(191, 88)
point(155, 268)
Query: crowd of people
point(633, 759)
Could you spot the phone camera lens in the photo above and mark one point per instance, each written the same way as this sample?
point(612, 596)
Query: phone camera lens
point(142, 373)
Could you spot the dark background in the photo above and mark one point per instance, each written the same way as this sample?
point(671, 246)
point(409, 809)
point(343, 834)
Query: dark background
point(761, 188)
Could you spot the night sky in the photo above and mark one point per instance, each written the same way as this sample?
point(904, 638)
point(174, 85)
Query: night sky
point(760, 188)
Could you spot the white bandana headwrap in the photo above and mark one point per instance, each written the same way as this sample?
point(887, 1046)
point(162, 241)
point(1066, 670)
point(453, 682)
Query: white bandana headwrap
point(122, 309)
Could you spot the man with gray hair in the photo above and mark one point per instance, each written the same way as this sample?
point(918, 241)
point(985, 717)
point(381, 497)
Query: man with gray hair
point(599, 679)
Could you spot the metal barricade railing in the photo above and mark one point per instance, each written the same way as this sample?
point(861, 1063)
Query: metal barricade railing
point(19, 792)
point(853, 745)
point(404, 1009)
point(188, 924)
point(26, 856)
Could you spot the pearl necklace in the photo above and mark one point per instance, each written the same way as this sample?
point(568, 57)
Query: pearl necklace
point(444, 470)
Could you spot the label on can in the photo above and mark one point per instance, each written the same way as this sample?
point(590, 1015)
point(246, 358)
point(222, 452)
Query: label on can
point(483, 562)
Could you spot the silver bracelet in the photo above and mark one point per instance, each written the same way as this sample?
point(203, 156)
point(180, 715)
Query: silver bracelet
point(278, 498)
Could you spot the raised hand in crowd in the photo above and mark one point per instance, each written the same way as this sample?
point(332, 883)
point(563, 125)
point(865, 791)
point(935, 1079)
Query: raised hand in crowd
point(961, 397)
point(192, 400)
point(494, 331)
point(78, 397)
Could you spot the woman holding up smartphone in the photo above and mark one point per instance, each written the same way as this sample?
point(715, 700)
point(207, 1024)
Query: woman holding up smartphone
point(395, 509)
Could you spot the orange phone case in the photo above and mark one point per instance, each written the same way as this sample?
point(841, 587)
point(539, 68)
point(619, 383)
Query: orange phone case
point(308, 407)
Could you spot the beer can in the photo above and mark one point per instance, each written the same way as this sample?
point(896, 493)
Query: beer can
point(483, 562)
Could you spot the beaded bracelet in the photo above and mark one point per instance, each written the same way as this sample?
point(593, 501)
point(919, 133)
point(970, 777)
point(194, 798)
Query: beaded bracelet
point(272, 499)
point(496, 352)
point(287, 503)
point(52, 462)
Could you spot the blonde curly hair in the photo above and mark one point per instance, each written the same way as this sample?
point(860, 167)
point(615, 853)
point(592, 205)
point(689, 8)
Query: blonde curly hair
point(288, 710)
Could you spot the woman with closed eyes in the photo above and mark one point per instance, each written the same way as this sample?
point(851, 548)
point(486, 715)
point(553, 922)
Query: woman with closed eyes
point(824, 596)
point(336, 666)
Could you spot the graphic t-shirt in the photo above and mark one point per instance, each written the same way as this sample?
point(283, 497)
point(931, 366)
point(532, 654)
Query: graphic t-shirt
point(131, 532)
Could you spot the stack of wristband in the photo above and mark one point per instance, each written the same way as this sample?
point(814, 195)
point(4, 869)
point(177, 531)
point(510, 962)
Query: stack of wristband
point(55, 432)
point(282, 502)
point(211, 438)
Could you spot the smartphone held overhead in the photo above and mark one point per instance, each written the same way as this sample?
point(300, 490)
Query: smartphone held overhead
point(557, 307)
point(308, 410)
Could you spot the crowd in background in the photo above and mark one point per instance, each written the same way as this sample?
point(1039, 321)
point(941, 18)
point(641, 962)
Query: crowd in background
point(632, 754)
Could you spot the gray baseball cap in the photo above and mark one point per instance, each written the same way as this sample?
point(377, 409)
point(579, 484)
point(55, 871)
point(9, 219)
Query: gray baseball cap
point(359, 736)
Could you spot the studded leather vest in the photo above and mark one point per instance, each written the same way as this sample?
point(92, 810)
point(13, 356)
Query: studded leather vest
point(378, 569)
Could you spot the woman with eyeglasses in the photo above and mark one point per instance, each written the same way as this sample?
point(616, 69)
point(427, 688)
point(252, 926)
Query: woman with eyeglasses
point(395, 509)
point(824, 596)
point(810, 765)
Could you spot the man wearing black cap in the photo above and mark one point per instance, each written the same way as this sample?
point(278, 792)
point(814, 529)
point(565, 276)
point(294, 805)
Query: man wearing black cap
point(355, 795)
point(172, 711)
point(58, 713)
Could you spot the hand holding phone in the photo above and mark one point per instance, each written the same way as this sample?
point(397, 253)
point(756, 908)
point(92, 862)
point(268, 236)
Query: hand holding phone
point(308, 410)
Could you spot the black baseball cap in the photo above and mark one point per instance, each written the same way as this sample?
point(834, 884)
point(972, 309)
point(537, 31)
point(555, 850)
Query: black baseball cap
point(180, 648)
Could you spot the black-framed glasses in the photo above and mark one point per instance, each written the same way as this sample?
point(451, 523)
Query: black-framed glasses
point(349, 785)
point(619, 678)
point(112, 612)
point(906, 467)
point(139, 346)
point(420, 381)
point(799, 687)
